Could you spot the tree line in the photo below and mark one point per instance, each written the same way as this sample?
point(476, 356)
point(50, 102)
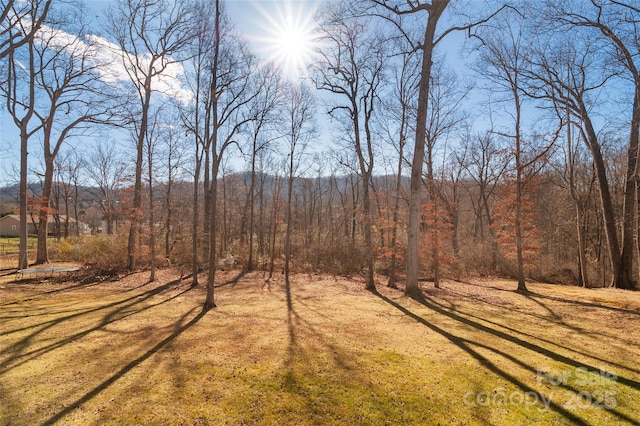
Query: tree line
point(524, 163)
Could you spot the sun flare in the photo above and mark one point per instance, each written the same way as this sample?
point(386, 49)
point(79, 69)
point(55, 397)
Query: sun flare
point(290, 37)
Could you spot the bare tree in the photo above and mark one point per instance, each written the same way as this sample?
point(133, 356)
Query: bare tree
point(434, 11)
point(150, 34)
point(19, 22)
point(617, 24)
point(151, 144)
point(19, 90)
point(400, 107)
point(503, 57)
point(445, 116)
point(393, 11)
point(568, 75)
point(108, 171)
point(298, 112)
point(195, 118)
point(351, 67)
point(75, 165)
point(484, 163)
point(579, 180)
point(69, 170)
point(263, 110)
point(227, 112)
point(173, 158)
point(71, 97)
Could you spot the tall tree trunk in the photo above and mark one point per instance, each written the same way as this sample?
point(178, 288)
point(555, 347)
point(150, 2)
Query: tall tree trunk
point(396, 204)
point(168, 223)
point(287, 240)
point(573, 192)
point(613, 245)
point(23, 261)
point(415, 184)
point(136, 216)
point(274, 225)
point(431, 191)
point(215, 162)
point(583, 279)
point(368, 238)
point(252, 206)
point(522, 287)
point(43, 212)
point(211, 280)
point(630, 191)
point(206, 225)
point(152, 233)
point(195, 226)
point(261, 244)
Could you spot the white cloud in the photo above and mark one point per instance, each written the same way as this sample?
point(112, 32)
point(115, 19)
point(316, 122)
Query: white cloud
point(108, 57)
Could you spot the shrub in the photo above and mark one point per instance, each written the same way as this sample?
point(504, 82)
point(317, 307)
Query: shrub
point(101, 251)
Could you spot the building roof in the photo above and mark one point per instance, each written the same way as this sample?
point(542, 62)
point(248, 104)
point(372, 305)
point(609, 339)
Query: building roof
point(51, 219)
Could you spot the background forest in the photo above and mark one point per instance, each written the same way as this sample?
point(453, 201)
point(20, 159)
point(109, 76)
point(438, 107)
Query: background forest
point(499, 139)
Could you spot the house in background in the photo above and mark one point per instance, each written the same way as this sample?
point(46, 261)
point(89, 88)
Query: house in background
point(10, 226)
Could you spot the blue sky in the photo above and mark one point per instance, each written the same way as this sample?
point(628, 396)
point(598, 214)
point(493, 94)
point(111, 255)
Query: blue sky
point(260, 21)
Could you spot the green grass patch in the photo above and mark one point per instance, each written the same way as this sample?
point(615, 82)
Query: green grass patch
point(132, 352)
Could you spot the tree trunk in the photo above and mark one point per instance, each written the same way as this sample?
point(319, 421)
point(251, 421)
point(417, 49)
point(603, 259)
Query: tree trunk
point(168, 223)
point(206, 234)
point(137, 188)
point(415, 184)
point(212, 145)
point(261, 245)
point(630, 192)
point(43, 217)
point(274, 226)
point(583, 279)
point(211, 280)
point(195, 231)
point(252, 206)
point(396, 203)
point(152, 233)
point(287, 241)
point(522, 287)
point(66, 212)
point(608, 216)
point(368, 238)
point(23, 261)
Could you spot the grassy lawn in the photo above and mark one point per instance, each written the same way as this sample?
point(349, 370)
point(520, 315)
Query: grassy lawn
point(10, 248)
point(131, 352)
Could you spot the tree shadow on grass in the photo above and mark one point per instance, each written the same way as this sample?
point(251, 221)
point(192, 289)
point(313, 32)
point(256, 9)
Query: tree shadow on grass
point(553, 318)
point(531, 346)
point(304, 374)
point(29, 297)
point(234, 280)
point(532, 294)
point(115, 311)
point(468, 346)
point(179, 329)
point(544, 340)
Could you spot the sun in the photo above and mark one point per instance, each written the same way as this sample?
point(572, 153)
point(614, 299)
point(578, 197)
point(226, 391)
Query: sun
point(290, 36)
point(292, 41)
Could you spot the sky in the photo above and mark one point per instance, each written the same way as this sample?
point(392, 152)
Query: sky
point(274, 29)
point(280, 30)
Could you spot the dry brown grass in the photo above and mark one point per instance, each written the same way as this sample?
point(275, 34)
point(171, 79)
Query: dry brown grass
point(132, 352)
